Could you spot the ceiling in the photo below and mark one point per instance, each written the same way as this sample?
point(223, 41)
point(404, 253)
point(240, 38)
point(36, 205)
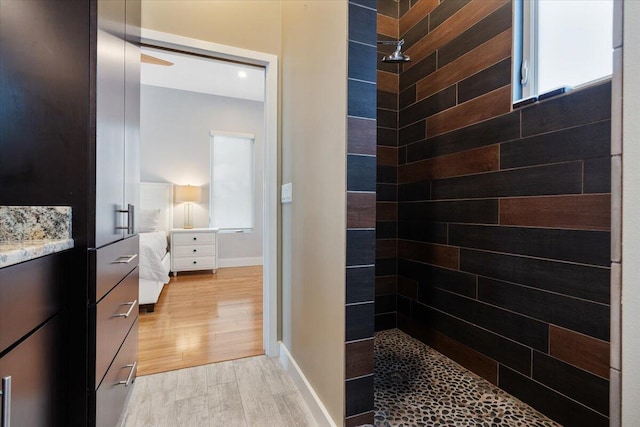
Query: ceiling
point(203, 75)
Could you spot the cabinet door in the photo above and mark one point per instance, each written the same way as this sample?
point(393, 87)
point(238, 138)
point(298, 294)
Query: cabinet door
point(132, 108)
point(110, 102)
point(37, 378)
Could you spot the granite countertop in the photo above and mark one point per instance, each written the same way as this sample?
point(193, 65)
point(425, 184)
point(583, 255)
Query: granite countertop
point(15, 252)
point(28, 232)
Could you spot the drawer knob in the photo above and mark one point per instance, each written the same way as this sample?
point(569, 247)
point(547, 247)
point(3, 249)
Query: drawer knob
point(195, 238)
point(195, 250)
point(195, 262)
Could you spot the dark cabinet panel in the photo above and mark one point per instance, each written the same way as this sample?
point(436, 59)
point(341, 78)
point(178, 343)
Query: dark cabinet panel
point(37, 378)
point(110, 113)
point(112, 263)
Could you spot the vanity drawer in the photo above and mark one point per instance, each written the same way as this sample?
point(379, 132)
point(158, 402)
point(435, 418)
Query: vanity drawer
point(30, 293)
point(194, 250)
point(194, 263)
point(113, 262)
point(194, 238)
point(111, 324)
point(111, 395)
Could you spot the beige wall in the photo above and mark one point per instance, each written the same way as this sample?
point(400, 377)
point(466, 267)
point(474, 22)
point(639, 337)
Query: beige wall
point(310, 37)
point(314, 110)
point(248, 24)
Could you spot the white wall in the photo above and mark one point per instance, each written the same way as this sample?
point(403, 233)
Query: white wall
point(174, 147)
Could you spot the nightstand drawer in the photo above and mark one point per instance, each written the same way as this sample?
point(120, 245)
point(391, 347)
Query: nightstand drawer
point(193, 238)
point(194, 263)
point(194, 250)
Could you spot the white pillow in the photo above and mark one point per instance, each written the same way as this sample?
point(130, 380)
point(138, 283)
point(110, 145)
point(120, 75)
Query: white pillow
point(149, 220)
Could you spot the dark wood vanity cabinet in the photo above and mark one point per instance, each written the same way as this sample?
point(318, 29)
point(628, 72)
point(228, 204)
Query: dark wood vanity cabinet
point(32, 342)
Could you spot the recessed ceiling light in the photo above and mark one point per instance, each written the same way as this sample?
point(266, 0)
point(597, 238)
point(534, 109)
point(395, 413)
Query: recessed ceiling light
point(242, 74)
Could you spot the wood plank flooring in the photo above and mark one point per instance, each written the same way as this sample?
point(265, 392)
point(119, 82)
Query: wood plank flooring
point(201, 319)
point(249, 392)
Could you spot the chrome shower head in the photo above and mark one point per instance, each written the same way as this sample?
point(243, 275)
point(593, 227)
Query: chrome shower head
point(397, 57)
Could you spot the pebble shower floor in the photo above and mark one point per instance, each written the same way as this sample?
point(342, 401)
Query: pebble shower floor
point(417, 386)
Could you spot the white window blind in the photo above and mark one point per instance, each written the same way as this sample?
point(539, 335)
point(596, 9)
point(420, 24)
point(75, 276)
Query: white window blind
point(232, 181)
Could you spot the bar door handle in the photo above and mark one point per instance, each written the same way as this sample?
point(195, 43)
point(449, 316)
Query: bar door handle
point(128, 313)
point(125, 259)
point(127, 383)
point(6, 402)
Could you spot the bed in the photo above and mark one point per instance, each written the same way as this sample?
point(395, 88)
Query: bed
point(155, 220)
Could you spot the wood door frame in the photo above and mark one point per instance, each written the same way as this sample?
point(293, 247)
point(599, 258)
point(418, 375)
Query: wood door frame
point(270, 199)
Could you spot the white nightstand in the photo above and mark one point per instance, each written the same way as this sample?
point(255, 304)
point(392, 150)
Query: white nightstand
point(194, 249)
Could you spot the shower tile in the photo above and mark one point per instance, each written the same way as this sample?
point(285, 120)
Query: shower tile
point(361, 99)
point(578, 143)
point(386, 192)
point(361, 210)
point(589, 105)
point(387, 156)
point(581, 316)
point(485, 81)
point(387, 100)
point(361, 21)
point(386, 174)
point(385, 267)
point(597, 175)
point(371, 4)
point(359, 420)
point(386, 285)
point(414, 191)
point(387, 26)
point(415, 14)
point(455, 281)
point(385, 321)
point(359, 321)
point(444, 11)
point(360, 284)
point(457, 211)
point(579, 350)
point(412, 133)
point(489, 27)
point(386, 137)
point(361, 246)
point(361, 173)
point(385, 304)
point(387, 118)
point(565, 178)
point(362, 62)
point(359, 395)
point(440, 255)
point(547, 401)
point(359, 358)
point(386, 230)
point(580, 281)
point(586, 388)
point(407, 97)
point(427, 107)
point(408, 287)
point(388, 8)
point(386, 211)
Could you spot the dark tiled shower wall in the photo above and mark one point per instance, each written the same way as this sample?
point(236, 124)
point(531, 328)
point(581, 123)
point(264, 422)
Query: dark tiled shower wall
point(504, 217)
point(387, 171)
point(361, 213)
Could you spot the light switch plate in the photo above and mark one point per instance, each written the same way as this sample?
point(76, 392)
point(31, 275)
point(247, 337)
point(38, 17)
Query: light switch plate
point(286, 195)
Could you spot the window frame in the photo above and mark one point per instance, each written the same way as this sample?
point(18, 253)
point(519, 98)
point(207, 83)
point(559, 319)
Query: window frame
point(252, 138)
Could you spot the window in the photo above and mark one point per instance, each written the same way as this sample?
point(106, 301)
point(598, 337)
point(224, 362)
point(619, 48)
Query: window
point(232, 181)
point(562, 43)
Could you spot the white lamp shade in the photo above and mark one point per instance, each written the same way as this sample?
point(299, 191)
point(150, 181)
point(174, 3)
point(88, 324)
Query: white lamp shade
point(187, 193)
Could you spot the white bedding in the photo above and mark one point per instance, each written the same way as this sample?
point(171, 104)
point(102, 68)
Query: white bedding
point(153, 247)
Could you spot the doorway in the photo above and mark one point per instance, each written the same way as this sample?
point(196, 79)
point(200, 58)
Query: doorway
point(232, 268)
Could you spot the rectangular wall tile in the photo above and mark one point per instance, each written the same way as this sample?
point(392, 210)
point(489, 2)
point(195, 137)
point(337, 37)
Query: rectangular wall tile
point(492, 345)
point(589, 105)
point(484, 107)
point(359, 395)
point(361, 136)
point(361, 173)
point(585, 212)
point(387, 156)
point(417, 72)
point(387, 100)
point(494, 77)
point(578, 143)
point(387, 137)
point(450, 280)
point(576, 280)
point(362, 62)
point(385, 321)
point(387, 26)
point(415, 14)
point(494, 50)
point(423, 231)
point(413, 191)
point(359, 420)
point(360, 284)
point(386, 174)
point(386, 248)
point(386, 211)
point(361, 22)
point(579, 350)
point(565, 178)
point(359, 359)
point(361, 210)
point(587, 247)
point(549, 402)
point(359, 321)
point(387, 82)
point(479, 160)
point(464, 19)
point(385, 267)
point(386, 285)
point(489, 27)
point(361, 246)
point(389, 8)
point(408, 287)
point(444, 11)
point(412, 133)
point(579, 315)
point(522, 329)
point(483, 211)
point(361, 99)
point(440, 255)
point(575, 383)
point(386, 230)
point(597, 175)
point(386, 192)
point(429, 106)
point(385, 304)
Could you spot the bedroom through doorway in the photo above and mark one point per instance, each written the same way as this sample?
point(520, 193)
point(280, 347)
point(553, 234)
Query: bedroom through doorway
point(208, 245)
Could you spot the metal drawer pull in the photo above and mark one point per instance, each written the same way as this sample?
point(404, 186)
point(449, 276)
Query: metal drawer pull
point(125, 315)
point(130, 218)
point(6, 402)
point(127, 383)
point(125, 259)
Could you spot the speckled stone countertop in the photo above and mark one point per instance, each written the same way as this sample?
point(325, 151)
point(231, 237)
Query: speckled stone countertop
point(28, 232)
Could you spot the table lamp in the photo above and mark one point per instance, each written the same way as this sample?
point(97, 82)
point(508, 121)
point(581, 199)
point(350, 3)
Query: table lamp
point(187, 194)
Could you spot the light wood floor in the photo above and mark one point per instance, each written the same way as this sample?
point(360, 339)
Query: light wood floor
point(201, 319)
point(251, 392)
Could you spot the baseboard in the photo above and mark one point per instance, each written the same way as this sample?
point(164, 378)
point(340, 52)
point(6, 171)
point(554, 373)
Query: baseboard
point(315, 405)
point(239, 262)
